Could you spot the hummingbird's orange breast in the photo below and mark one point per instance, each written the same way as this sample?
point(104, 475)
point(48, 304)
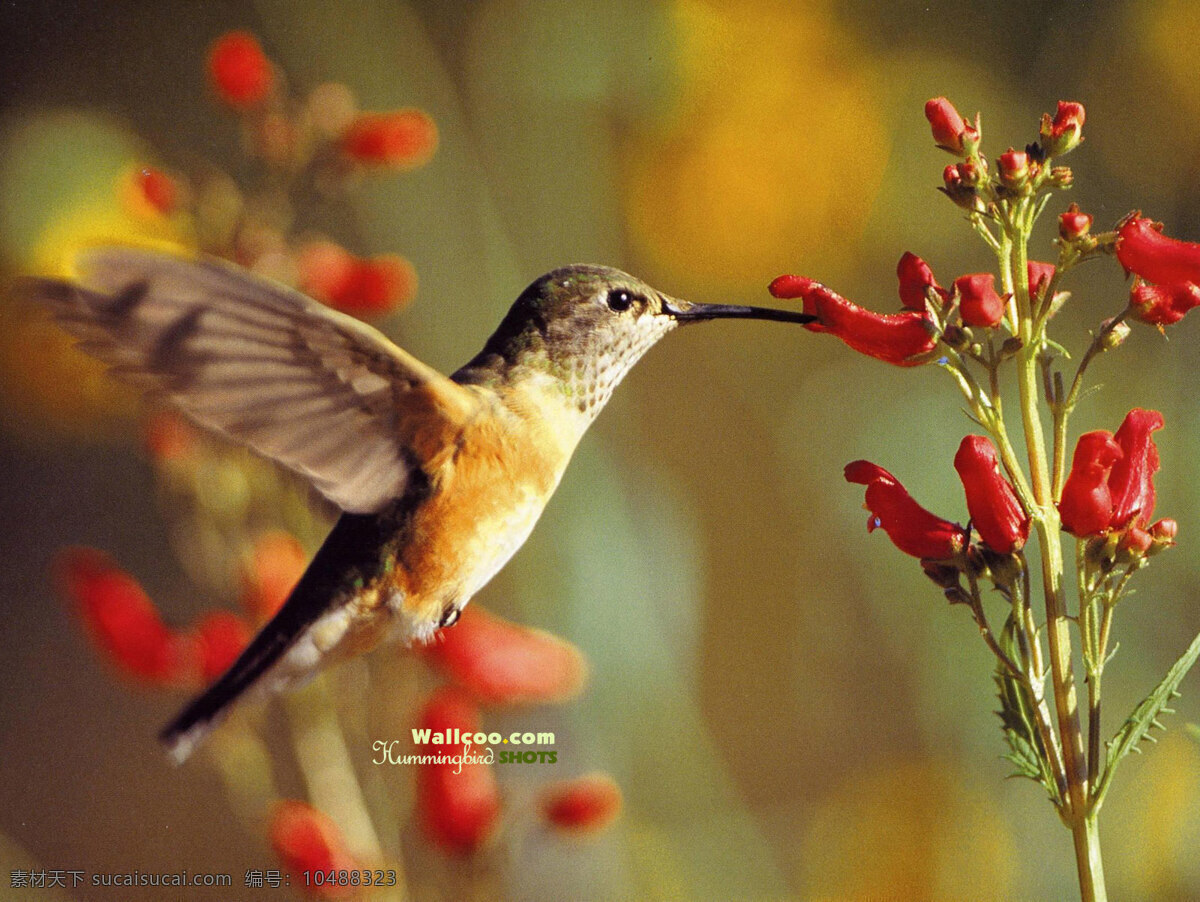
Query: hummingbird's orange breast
point(486, 496)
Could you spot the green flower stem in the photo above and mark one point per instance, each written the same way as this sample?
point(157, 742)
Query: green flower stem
point(1045, 521)
point(329, 775)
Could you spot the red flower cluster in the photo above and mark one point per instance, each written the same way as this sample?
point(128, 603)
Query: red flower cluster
point(905, 338)
point(1172, 265)
point(992, 503)
point(493, 662)
point(126, 627)
point(1110, 488)
point(356, 285)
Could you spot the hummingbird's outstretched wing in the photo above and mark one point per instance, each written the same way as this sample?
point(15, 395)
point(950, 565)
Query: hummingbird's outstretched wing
point(311, 388)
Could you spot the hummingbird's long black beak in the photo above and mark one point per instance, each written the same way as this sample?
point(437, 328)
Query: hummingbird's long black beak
point(687, 312)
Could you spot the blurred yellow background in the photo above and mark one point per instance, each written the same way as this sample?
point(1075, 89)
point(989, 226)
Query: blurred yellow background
point(790, 708)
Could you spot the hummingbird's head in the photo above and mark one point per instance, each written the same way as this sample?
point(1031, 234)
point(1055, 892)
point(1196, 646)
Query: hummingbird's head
point(586, 326)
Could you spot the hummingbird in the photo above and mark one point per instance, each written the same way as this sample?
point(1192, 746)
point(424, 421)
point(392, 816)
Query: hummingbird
point(439, 479)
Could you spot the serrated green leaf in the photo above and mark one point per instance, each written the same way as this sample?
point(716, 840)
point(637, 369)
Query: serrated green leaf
point(1145, 717)
point(1027, 752)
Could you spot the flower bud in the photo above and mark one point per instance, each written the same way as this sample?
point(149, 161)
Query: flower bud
point(1061, 177)
point(916, 279)
point(978, 302)
point(1074, 224)
point(1014, 169)
point(1063, 133)
point(1114, 337)
point(951, 131)
point(1040, 275)
point(1162, 535)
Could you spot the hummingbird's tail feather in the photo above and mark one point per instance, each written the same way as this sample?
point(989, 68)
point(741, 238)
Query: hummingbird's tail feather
point(284, 653)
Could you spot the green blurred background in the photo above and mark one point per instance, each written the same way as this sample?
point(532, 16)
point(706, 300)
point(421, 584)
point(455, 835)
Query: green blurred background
point(789, 706)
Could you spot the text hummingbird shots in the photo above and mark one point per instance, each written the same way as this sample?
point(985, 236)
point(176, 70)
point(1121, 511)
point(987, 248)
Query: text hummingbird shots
point(454, 747)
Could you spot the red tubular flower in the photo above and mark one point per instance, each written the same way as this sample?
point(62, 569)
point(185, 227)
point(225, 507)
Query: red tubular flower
point(950, 130)
point(916, 278)
point(239, 71)
point(1064, 132)
point(978, 301)
point(220, 637)
point(1163, 305)
point(1132, 479)
point(896, 338)
point(360, 287)
point(911, 528)
point(1073, 224)
point(1086, 506)
point(458, 804)
point(401, 139)
point(503, 663)
point(586, 804)
point(991, 501)
point(306, 839)
point(121, 619)
point(1144, 250)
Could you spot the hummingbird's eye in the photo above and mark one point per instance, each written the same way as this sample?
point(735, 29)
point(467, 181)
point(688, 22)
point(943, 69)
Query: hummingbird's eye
point(620, 300)
point(449, 617)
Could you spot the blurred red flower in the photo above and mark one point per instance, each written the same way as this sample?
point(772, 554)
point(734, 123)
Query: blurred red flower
point(586, 804)
point(355, 285)
point(276, 563)
point(220, 637)
point(500, 662)
point(306, 839)
point(458, 802)
point(239, 71)
point(122, 621)
point(401, 139)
